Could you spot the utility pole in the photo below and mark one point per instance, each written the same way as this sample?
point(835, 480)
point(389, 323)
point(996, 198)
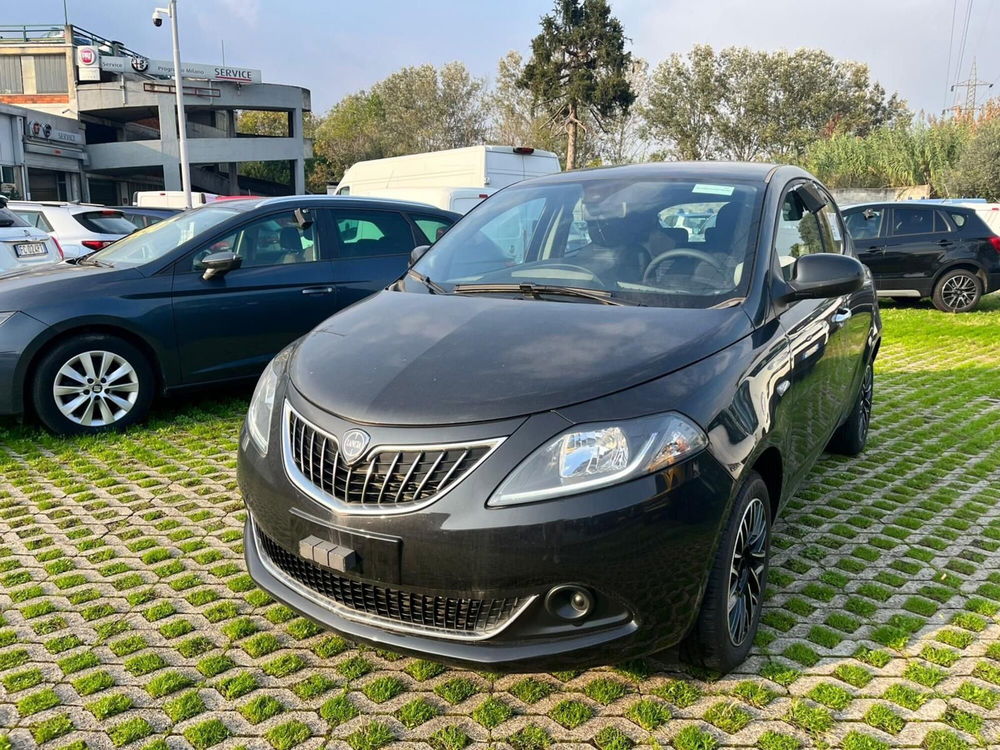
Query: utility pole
point(971, 84)
point(181, 117)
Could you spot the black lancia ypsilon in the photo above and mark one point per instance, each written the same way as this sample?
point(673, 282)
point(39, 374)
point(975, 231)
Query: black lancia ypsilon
point(562, 437)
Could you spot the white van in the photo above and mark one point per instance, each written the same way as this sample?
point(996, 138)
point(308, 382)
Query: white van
point(170, 198)
point(455, 180)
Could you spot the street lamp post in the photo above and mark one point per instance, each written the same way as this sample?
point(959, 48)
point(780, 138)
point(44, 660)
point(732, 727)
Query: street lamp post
point(171, 11)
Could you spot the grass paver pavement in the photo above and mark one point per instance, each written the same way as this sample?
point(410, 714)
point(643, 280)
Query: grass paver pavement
point(127, 618)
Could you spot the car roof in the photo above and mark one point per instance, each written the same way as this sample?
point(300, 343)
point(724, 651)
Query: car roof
point(733, 170)
point(911, 204)
point(342, 201)
point(69, 206)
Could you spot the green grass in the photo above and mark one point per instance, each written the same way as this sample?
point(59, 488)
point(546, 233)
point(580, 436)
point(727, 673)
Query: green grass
point(883, 571)
point(694, 738)
point(416, 712)
point(570, 713)
point(449, 738)
point(287, 735)
point(372, 736)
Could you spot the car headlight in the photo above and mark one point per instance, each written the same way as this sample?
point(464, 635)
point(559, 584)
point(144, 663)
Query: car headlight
point(5, 316)
point(590, 456)
point(262, 402)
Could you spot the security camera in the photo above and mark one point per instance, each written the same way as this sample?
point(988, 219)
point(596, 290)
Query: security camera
point(158, 15)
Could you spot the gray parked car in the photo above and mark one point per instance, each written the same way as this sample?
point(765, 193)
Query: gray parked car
point(23, 245)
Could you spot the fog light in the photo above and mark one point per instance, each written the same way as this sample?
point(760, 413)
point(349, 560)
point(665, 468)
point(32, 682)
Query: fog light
point(569, 602)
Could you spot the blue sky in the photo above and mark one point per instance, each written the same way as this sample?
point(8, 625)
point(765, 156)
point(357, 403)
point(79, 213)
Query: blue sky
point(334, 47)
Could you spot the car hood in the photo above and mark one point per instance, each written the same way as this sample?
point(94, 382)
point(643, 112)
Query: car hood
point(21, 288)
point(407, 358)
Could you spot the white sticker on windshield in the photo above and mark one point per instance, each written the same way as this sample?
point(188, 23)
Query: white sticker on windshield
point(713, 189)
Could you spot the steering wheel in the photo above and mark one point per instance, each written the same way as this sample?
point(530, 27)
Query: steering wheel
point(677, 253)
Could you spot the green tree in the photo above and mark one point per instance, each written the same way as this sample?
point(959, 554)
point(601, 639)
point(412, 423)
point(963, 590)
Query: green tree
point(977, 172)
point(579, 67)
point(413, 110)
point(275, 125)
point(748, 105)
point(517, 119)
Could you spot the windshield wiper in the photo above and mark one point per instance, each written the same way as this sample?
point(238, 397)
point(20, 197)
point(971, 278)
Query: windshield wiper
point(434, 287)
point(86, 260)
point(535, 291)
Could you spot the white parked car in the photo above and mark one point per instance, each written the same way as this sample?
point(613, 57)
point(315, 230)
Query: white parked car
point(22, 245)
point(80, 228)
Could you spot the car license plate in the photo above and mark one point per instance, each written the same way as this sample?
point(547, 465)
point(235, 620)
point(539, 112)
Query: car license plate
point(28, 249)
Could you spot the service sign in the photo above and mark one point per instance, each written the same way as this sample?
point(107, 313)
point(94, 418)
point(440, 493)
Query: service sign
point(88, 63)
point(44, 131)
point(165, 69)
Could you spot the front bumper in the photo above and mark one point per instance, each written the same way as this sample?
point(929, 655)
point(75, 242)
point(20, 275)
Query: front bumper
point(643, 549)
point(17, 336)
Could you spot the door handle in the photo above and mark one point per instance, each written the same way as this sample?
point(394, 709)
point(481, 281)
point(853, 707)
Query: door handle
point(318, 290)
point(944, 243)
point(841, 316)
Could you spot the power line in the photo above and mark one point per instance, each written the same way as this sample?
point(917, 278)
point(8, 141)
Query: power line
point(951, 44)
point(965, 38)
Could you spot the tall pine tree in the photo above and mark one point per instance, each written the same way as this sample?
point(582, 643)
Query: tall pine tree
point(579, 64)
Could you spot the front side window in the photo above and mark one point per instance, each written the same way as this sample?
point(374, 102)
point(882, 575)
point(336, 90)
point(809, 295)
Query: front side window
point(798, 233)
point(907, 221)
point(270, 241)
point(364, 234)
point(865, 224)
point(155, 241)
point(833, 237)
point(618, 237)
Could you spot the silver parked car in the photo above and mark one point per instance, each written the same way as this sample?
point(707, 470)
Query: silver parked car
point(22, 245)
point(80, 228)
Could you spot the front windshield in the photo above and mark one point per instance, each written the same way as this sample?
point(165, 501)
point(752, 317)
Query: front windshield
point(158, 239)
point(668, 243)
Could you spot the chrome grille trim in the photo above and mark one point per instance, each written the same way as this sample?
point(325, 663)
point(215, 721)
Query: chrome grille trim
point(296, 447)
point(382, 622)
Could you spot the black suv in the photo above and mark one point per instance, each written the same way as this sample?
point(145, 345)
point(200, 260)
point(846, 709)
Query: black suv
point(919, 250)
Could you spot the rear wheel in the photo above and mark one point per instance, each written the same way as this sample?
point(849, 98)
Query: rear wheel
point(957, 291)
point(92, 383)
point(851, 436)
point(731, 609)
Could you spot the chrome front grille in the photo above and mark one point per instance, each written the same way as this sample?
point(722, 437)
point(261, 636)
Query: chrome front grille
point(454, 617)
point(385, 478)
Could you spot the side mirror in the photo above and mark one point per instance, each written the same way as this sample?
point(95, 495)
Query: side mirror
point(823, 275)
point(217, 264)
point(418, 252)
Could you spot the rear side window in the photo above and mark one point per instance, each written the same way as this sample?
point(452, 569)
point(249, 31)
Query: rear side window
point(909, 221)
point(10, 219)
point(364, 234)
point(35, 219)
point(105, 222)
point(431, 228)
point(866, 224)
point(959, 219)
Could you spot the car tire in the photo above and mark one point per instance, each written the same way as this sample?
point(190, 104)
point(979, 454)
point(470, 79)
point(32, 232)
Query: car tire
point(851, 436)
point(70, 397)
point(724, 631)
point(957, 291)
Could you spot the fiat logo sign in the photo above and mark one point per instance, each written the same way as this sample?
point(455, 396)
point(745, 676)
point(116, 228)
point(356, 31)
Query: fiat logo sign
point(87, 56)
point(354, 444)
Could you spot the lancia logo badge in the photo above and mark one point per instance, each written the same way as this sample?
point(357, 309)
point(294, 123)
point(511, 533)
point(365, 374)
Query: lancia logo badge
point(354, 444)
